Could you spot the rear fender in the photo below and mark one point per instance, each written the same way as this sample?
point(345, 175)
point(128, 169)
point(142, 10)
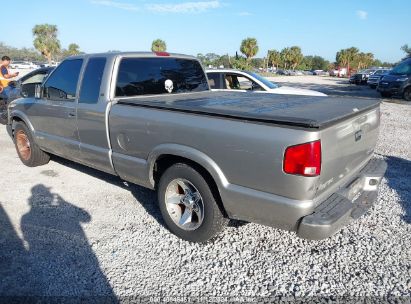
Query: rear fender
point(189, 153)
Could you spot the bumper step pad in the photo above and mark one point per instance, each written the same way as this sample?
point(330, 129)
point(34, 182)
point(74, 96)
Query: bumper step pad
point(338, 210)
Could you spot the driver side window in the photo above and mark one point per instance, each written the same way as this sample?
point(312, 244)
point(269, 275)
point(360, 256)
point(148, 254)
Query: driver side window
point(62, 84)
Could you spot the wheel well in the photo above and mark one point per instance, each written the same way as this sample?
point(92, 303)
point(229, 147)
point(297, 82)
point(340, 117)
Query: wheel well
point(17, 119)
point(164, 162)
point(14, 120)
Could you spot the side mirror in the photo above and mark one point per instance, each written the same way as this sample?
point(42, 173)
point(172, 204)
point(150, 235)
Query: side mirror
point(37, 91)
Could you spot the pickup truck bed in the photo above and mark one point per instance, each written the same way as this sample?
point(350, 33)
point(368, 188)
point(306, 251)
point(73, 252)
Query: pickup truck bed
point(299, 111)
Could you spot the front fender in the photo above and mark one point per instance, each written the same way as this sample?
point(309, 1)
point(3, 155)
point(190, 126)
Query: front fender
point(189, 153)
point(15, 113)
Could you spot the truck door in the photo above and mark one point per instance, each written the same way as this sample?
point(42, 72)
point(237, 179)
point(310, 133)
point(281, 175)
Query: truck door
point(91, 117)
point(54, 116)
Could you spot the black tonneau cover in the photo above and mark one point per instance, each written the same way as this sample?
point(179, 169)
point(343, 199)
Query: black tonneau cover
point(300, 111)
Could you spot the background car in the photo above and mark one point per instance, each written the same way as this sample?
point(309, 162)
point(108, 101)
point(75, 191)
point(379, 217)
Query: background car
point(362, 76)
point(27, 88)
point(397, 81)
point(245, 81)
point(320, 73)
point(342, 72)
point(27, 83)
point(283, 72)
point(375, 78)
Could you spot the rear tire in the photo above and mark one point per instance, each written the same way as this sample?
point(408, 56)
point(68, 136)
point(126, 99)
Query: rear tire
point(188, 206)
point(407, 94)
point(29, 153)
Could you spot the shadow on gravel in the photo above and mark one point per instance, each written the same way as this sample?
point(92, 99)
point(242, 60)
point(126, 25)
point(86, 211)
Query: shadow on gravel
point(58, 260)
point(398, 176)
point(146, 197)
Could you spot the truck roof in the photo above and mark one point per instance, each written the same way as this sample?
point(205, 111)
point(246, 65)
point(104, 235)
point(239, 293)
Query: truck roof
point(134, 54)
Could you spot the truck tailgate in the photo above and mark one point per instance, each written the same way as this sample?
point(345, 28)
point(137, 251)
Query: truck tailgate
point(346, 148)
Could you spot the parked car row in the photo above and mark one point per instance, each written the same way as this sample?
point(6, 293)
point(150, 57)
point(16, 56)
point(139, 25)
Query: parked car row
point(22, 65)
point(397, 82)
point(389, 82)
point(362, 76)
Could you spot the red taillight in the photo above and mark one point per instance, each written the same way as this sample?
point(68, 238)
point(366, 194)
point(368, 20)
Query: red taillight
point(304, 159)
point(164, 54)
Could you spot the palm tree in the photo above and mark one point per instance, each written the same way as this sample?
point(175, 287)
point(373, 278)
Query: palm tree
point(347, 56)
point(274, 58)
point(249, 47)
point(46, 41)
point(407, 50)
point(158, 45)
point(296, 56)
point(286, 57)
point(73, 49)
point(364, 60)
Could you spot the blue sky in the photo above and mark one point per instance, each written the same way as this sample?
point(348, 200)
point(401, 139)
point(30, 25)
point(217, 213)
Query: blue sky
point(320, 27)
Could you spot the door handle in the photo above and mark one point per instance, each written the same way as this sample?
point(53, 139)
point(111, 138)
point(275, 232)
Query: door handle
point(71, 114)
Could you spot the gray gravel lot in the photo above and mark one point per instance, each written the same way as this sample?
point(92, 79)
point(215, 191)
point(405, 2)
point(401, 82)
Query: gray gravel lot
point(69, 230)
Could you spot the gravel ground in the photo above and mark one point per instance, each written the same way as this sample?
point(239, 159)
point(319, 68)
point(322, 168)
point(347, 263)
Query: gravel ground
point(69, 230)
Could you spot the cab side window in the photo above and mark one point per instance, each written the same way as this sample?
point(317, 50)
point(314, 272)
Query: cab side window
point(90, 87)
point(62, 84)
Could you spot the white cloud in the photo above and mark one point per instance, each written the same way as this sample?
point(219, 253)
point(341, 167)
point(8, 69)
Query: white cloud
point(185, 7)
point(244, 14)
point(362, 14)
point(115, 4)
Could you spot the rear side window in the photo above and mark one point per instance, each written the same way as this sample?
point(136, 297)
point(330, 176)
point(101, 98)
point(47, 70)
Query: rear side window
point(90, 87)
point(214, 81)
point(152, 76)
point(62, 84)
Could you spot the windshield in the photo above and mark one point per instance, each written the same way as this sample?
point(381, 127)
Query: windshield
point(403, 68)
point(264, 80)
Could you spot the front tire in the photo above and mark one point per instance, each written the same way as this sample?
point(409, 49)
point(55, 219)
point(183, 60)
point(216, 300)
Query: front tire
point(29, 153)
point(407, 94)
point(188, 205)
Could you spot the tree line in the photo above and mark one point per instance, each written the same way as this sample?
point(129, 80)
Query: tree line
point(292, 58)
point(47, 46)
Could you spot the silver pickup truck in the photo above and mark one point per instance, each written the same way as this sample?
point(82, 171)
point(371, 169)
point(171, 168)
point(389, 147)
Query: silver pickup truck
point(299, 163)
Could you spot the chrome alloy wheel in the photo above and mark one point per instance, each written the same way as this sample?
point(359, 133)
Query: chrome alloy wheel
point(184, 204)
